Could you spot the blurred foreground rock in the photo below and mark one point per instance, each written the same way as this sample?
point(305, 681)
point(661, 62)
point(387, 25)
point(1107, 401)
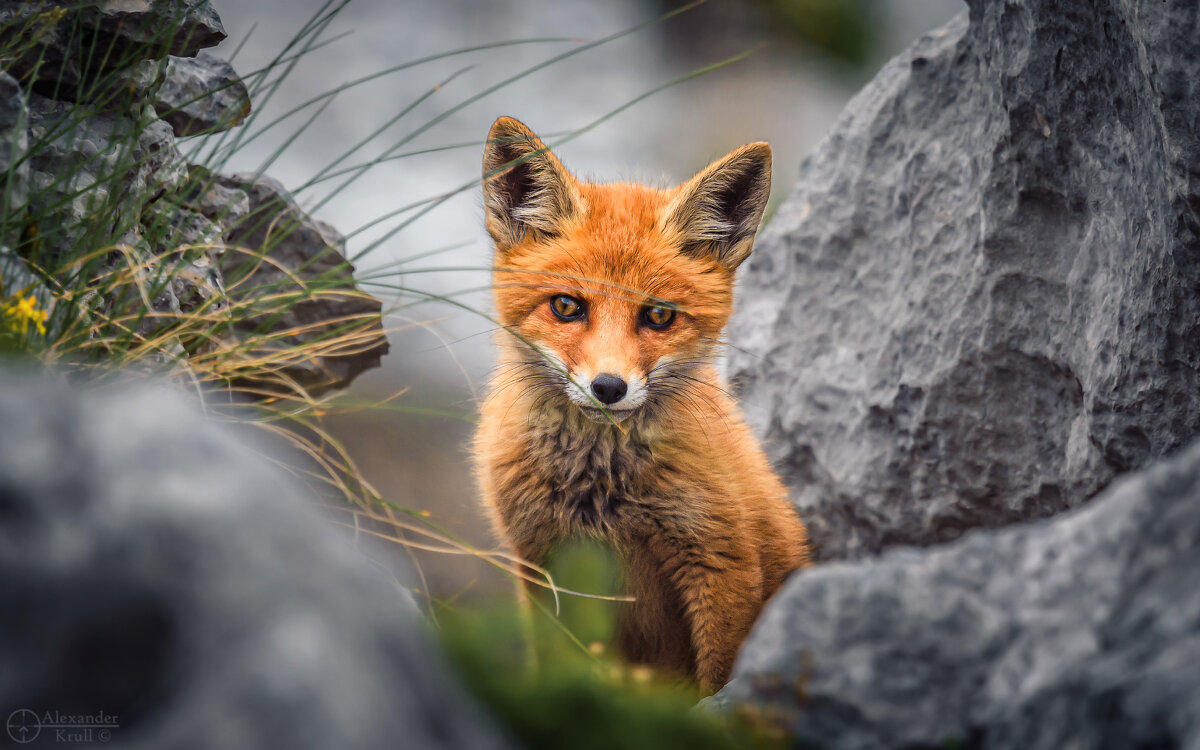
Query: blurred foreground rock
point(152, 570)
point(982, 300)
point(1077, 632)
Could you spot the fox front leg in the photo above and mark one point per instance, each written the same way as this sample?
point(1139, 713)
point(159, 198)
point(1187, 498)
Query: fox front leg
point(527, 587)
point(722, 594)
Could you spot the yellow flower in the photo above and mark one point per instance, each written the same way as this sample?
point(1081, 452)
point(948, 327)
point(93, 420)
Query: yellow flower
point(18, 314)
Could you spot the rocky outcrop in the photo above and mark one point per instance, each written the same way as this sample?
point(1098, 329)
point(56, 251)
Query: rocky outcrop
point(154, 572)
point(15, 276)
point(324, 325)
point(201, 95)
point(980, 302)
point(100, 187)
point(13, 115)
point(70, 51)
point(1081, 631)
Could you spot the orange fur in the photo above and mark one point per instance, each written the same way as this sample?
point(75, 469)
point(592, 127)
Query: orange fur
point(677, 484)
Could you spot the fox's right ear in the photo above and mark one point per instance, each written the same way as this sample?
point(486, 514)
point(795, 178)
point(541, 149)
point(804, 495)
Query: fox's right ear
point(525, 187)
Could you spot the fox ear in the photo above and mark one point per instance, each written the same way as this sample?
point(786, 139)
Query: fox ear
point(717, 212)
point(525, 187)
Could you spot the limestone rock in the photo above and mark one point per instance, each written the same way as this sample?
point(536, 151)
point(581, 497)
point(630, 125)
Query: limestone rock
point(14, 134)
point(193, 25)
point(58, 41)
point(97, 95)
point(301, 256)
point(1081, 631)
point(201, 95)
point(225, 205)
point(980, 303)
point(89, 167)
point(153, 570)
point(106, 182)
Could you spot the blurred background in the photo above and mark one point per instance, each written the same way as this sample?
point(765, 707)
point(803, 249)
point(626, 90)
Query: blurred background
point(429, 265)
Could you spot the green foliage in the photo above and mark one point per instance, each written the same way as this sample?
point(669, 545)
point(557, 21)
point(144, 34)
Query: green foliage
point(555, 682)
point(841, 29)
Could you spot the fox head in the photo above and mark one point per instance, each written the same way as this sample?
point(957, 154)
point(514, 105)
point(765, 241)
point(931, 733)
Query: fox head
point(616, 294)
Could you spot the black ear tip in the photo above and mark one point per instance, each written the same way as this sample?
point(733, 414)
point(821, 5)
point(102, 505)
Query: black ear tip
point(759, 154)
point(508, 140)
point(508, 128)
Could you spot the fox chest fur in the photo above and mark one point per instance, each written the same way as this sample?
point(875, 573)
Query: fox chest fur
point(565, 476)
point(587, 480)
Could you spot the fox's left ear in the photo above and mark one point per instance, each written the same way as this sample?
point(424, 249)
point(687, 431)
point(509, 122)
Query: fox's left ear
point(718, 211)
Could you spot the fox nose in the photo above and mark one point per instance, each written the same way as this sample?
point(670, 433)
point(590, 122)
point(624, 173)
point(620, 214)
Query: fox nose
point(609, 389)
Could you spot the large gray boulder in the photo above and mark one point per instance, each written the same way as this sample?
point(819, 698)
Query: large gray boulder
point(155, 576)
point(981, 301)
point(1079, 632)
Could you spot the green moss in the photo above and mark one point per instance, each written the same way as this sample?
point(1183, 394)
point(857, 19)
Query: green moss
point(555, 682)
point(841, 29)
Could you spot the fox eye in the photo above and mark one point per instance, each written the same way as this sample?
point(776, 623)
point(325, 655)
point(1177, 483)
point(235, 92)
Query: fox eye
point(566, 308)
point(658, 318)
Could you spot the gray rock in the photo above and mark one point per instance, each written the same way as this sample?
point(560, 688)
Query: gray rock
point(15, 275)
point(1079, 632)
point(58, 42)
point(302, 256)
point(17, 278)
point(138, 83)
point(50, 48)
point(223, 204)
point(14, 142)
point(92, 173)
point(185, 248)
point(152, 570)
point(176, 27)
point(202, 95)
point(980, 302)
point(99, 168)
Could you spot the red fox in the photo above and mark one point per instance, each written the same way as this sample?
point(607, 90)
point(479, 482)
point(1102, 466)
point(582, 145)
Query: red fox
point(606, 418)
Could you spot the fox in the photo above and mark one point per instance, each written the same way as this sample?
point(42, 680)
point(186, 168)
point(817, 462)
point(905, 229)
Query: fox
point(606, 418)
